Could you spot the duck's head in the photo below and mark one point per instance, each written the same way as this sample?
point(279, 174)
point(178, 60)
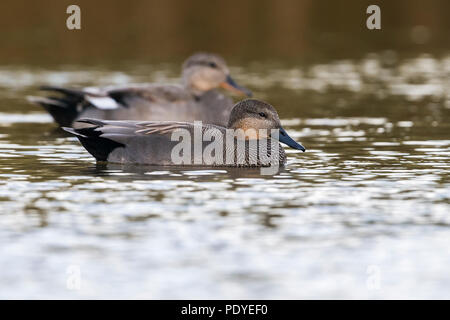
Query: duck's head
point(255, 114)
point(204, 71)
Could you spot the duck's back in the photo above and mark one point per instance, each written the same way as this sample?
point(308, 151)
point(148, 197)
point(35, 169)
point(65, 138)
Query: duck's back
point(162, 103)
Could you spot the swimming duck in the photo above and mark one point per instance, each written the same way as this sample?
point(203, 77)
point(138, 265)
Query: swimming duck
point(195, 99)
point(251, 122)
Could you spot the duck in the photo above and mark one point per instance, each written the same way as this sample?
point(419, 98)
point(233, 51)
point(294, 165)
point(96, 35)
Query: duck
point(196, 98)
point(253, 123)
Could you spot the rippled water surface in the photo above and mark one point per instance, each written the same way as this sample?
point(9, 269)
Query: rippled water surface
point(364, 213)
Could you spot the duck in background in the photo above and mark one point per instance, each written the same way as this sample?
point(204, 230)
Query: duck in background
point(133, 142)
point(197, 98)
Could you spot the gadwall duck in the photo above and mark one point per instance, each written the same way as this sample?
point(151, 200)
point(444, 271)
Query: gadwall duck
point(196, 98)
point(251, 122)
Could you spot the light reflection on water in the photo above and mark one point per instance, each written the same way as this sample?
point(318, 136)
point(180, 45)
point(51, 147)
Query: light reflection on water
point(372, 190)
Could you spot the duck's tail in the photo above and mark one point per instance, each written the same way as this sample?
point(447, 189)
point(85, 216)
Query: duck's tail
point(91, 139)
point(65, 108)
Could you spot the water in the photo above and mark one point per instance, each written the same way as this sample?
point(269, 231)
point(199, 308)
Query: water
point(364, 213)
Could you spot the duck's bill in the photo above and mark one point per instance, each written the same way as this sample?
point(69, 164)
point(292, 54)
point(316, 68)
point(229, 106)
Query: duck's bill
point(284, 138)
point(232, 86)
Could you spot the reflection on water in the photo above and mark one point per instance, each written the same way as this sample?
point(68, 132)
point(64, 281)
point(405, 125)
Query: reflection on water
point(371, 193)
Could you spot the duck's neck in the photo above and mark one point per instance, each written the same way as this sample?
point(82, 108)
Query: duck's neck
point(192, 86)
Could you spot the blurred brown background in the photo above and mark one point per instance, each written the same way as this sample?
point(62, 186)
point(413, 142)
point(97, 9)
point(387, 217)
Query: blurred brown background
point(34, 32)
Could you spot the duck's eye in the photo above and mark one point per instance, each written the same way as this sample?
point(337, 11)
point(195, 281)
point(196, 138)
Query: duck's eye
point(262, 114)
point(212, 64)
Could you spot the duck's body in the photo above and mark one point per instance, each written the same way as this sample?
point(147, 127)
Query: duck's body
point(151, 142)
point(195, 99)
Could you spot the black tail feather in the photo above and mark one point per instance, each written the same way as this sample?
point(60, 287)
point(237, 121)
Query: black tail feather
point(92, 141)
point(64, 109)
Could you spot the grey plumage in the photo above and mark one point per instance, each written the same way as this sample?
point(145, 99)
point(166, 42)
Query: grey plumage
point(153, 142)
point(196, 98)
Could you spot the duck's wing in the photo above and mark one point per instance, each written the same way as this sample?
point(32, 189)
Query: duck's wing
point(148, 93)
point(133, 128)
point(162, 127)
point(131, 141)
point(139, 101)
point(115, 97)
